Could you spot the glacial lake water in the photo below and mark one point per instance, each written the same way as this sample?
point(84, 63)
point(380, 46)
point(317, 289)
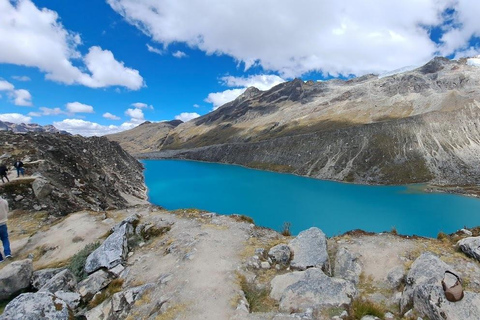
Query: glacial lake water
point(273, 198)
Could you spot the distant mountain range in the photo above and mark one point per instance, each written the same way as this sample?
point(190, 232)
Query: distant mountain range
point(421, 125)
point(28, 127)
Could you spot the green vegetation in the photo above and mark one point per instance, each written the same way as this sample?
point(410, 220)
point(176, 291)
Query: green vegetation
point(258, 299)
point(286, 229)
point(77, 263)
point(361, 307)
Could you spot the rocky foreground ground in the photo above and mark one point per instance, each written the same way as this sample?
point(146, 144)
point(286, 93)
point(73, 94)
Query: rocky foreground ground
point(188, 264)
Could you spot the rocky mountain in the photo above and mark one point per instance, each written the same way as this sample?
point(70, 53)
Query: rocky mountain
point(146, 137)
point(418, 126)
point(67, 173)
point(28, 127)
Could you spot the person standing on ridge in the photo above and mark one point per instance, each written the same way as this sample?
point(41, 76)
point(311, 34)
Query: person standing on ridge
point(3, 172)
point(19, 166)
point(4, 230)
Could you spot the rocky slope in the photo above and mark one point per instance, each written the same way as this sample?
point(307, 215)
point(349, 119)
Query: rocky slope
point(28, 127)
point(67, 173)
point(146, 137)
point(417, 126)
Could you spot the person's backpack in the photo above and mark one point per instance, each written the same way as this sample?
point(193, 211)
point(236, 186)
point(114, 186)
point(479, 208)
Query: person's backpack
point(455, 292)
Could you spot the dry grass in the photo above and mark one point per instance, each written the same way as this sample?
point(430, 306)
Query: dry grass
point(172, 313)
point(258, 299)
point(114, 287)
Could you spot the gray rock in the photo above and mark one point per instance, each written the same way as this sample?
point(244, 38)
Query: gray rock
point(265, 265)
point(280, 254)
point(15, 277)
point(429, 300)
point(63, 281)
point(370, 318)
point(310, 250)
point(111, 253)
point(41, 188)
point(347, 266)
point(40, 277)
point(467, 232)
point(427, 269)
point(311, 289)
point(396, 276)
point(35, 306)
point(72, 299)
point(93, 284)
point(471, 247)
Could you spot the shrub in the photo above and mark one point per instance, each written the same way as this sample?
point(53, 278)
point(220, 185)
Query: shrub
point(286, 229)
point(361, 307)
point(77, 263)
point(442, 236)
point(258, 299)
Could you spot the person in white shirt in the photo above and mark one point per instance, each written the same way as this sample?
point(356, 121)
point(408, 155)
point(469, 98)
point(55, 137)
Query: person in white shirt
point(4, 230)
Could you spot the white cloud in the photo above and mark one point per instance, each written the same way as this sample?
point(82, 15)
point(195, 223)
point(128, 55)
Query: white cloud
point(36, 38)
point(141, 105)
point(220, 98)
point(87, 128)
point(336, 37)
point(154, 50)
point(108, 115)
point(51, 111)
point(196, 106)
point(15, 118)
point(187, 116)
point(136, 114)
point(179, 54)
point(77, 107)
point(34, 114)
point(21, 78)
point(6, 86)
point(22, 97)
point(474, 61)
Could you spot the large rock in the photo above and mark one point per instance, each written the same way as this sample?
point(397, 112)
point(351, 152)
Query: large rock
point(310, 250)
point(426, 270)
point(41, 188)
point(73, 299)
point(430, 301)
point(471, 246)
point(63, 281)
point(93, 284)
point(41, 277)
point(347, 265)
point(15, 277)
point(311, 289)
point(35, 306)
point(280, 254)
point(112, 252)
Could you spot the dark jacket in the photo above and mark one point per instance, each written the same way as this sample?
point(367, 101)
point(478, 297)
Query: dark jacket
point(18, 164)
point(3, 170)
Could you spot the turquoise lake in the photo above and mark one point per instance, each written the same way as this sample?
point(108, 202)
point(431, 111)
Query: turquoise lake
point(273, 198)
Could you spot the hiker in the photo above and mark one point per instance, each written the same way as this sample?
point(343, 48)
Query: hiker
point(4, 230)
point(19, 166)
point(3, 172)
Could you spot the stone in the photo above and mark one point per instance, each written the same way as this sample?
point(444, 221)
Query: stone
point(347, 266)
point(73, 299)
point(467, 232)
point(40, 277)
point(389, 316)
point(310, 250)
point(260, 252)
point(265, 265)
point(93, 284)
point(369, 318)
point(15, 277)
point(470, 246)
point(426, 269)
point(34, 306)
point(396, 276)
point(280, 254)
point(41, 188)
point(111, 252)
point(311, 289)
point(429, 300)
point(122, 302)
point(63, 281)
point(117, 270)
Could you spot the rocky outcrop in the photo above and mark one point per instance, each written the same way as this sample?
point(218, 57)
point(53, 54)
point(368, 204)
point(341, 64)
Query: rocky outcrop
point(67, 173)
point(34, 306)
point(93, 284)
point(347, 266)
point(15, 277)
point(41, 277)
point(62, 281)
point(280, 254)
point(311, 289)
point(471, 247)
point(310, 250)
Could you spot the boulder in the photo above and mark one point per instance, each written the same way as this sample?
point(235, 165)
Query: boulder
point(40, 277)
point(280, 254)
point(41, 188)
point(310, 250)
point(426, 270)
point(470, 246)
point(93, 284)
point(34, 306)
point(15, 277)
point(430, 301)
point(396, 276)
point(63, 281)
point(112, 252)
point(73, 299)
point(300, 291)
point(347, 265)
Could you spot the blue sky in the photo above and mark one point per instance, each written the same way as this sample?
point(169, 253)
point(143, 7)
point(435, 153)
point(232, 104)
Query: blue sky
point(100, 66)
